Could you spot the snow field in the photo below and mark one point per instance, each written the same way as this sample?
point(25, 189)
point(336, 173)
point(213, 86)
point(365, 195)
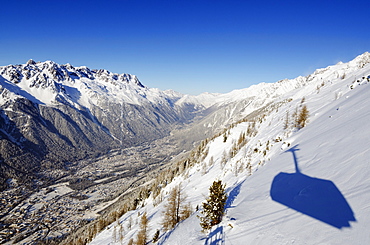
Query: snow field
point(333, 148)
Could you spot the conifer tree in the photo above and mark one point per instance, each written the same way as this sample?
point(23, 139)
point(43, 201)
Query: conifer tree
point(295, 116)
point(129, 225)
point(114, 234)
point(143, 233)
point(302, 117)
point(120, 233)
point(286, 122)
point(214, 207)
point(175, 210)
point(224, 159)
point(225, 137)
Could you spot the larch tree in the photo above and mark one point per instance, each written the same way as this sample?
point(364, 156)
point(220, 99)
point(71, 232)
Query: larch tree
point(142, 236)
point(175, 210)
point(302, 117)
point(286, 122)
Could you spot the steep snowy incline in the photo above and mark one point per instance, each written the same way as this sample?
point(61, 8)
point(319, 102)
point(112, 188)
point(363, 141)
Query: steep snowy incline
point(326, 201)
point(285, 186)
point(332, 152)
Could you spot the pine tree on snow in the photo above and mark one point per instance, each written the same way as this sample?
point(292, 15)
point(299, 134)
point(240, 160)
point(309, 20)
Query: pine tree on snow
point(214, 207)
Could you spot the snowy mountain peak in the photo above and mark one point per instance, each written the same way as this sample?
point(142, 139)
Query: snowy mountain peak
point(31, 62)
point(46, 82)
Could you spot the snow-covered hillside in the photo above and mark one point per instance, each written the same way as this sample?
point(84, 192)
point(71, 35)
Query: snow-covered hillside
point(285, 186)
point(267, 92)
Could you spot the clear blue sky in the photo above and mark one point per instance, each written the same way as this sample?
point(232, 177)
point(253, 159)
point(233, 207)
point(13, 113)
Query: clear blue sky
point(188, 46)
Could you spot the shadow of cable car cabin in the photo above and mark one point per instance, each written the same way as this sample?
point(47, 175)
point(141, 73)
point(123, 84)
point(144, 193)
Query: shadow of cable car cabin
point(317, 198)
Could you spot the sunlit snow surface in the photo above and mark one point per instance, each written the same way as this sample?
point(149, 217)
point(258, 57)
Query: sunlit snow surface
point(331, 155)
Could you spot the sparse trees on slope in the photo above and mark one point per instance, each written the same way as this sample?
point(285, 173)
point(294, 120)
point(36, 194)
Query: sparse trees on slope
point(214, 207)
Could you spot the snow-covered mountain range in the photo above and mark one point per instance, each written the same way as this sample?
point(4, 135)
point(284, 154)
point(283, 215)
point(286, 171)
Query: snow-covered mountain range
point(49, 111)
point(285, 185)
point(52, 114)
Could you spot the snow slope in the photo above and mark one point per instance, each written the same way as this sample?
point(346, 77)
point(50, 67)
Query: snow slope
point(307, 186)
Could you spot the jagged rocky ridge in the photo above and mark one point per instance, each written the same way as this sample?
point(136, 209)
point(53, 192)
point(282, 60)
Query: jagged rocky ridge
point(53, 114)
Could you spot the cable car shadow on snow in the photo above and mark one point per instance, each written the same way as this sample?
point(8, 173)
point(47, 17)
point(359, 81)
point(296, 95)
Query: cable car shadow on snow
point(317, 198)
